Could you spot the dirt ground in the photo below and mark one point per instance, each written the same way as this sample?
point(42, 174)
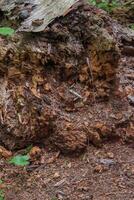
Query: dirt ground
point(97, 174)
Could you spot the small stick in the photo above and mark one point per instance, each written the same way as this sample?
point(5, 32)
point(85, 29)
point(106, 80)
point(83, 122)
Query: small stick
point(75, 93)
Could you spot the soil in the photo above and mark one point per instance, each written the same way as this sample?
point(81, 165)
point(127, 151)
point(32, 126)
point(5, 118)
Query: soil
point(97, 174)
point(93, 120)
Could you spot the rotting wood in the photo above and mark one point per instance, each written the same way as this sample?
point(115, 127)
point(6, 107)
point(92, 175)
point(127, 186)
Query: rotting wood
point(37, 71)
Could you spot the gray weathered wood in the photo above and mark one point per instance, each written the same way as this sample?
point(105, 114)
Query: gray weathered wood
point(43, 13)
point(46, 11)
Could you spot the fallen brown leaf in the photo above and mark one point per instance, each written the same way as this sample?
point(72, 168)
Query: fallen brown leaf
point(5, 153)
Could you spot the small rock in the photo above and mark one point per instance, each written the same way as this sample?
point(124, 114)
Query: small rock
point(107, 162)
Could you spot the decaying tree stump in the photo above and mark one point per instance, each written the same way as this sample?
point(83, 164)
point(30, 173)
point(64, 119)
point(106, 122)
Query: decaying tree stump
point(50, 80)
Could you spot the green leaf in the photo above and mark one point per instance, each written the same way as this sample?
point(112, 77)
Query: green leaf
point(20, 160)
point(6, 31)
point(2, 195)
point(105, 5)
point(132, 26)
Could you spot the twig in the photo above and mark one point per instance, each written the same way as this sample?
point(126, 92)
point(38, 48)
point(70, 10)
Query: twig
point(75, 93)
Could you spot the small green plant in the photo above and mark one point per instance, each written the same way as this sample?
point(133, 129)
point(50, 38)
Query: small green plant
point(132, 26)
point(106, 5)
point(20, 160)
point(2, 195)
point(6, 31)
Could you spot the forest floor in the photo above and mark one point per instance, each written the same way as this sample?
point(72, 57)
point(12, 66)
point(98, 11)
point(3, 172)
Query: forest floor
point(99, 173)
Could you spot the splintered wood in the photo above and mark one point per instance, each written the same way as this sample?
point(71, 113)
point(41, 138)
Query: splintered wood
point(43, 12)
